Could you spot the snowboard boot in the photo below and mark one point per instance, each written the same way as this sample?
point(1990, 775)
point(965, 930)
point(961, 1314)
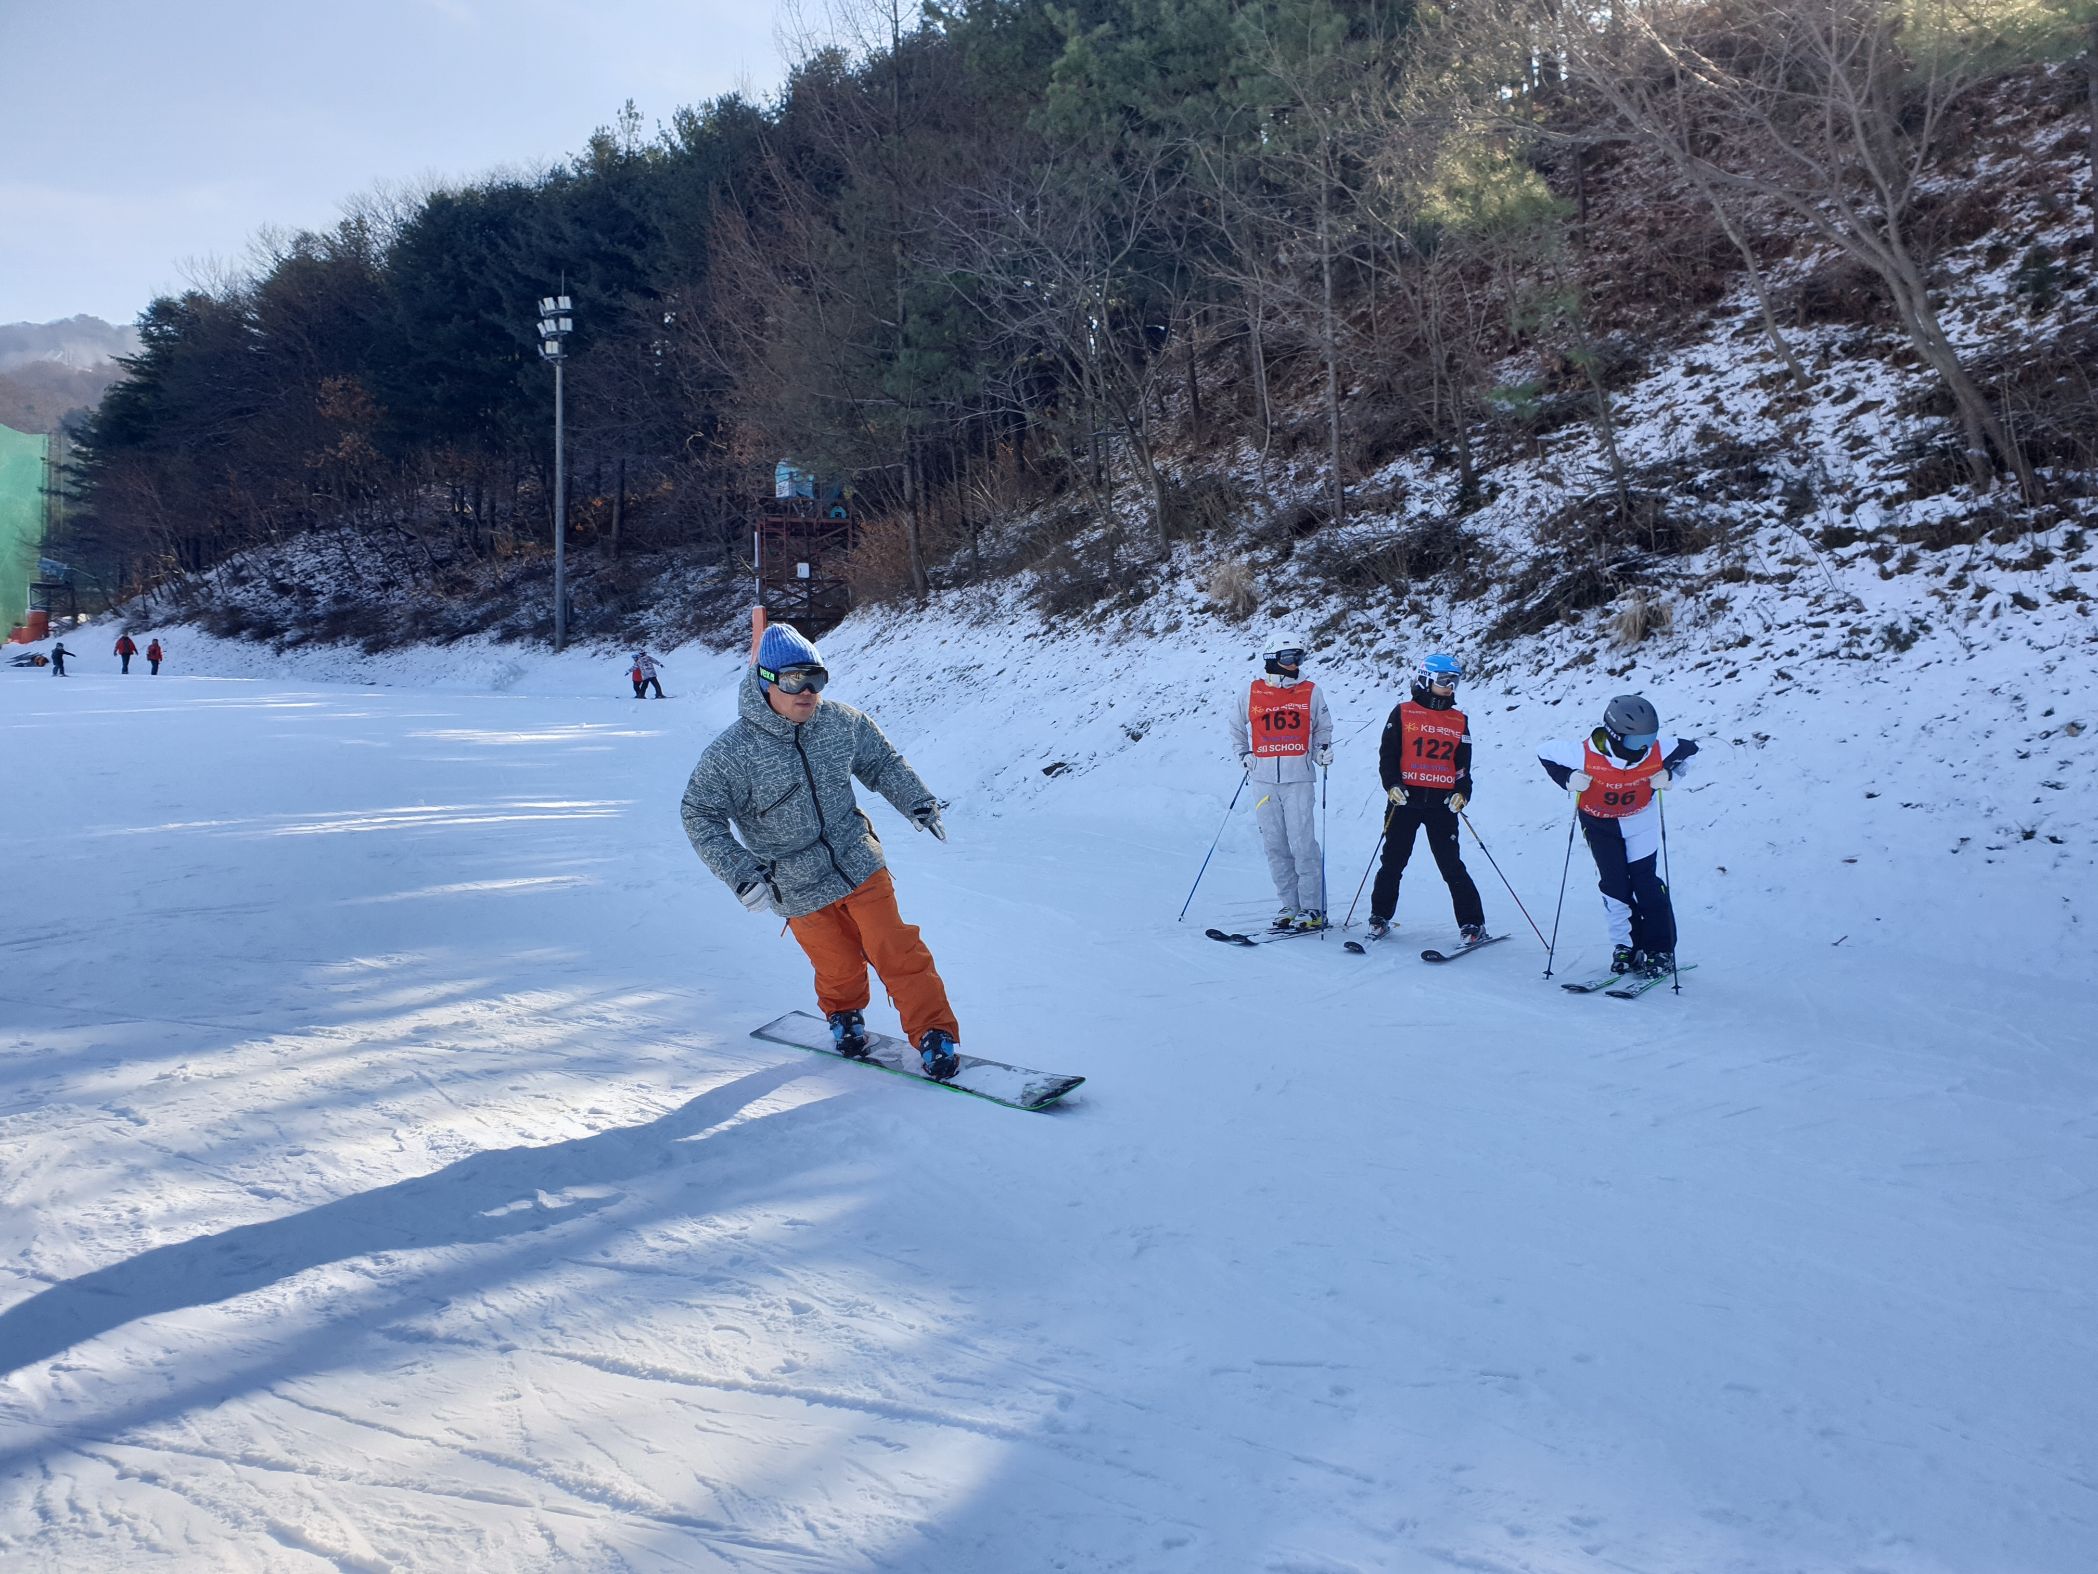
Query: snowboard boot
point(1656, 964)
point(936, 1052)
point(1379, 928)
point(1311, 918)
point(1624, 959)
point(1471, 934)
point(848, 1034)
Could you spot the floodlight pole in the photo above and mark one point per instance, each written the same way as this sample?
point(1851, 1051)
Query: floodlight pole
point(555, 324)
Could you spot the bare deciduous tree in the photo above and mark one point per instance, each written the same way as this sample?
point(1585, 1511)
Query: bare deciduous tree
point(1832, 111)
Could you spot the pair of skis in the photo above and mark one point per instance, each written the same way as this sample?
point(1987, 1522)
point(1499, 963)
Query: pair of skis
point(1361, 947)
point(1353, 947)
point(1265, 937)
point(1618, 986)
point(1623, 986)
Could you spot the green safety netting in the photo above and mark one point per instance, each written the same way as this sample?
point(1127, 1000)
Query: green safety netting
point(21, 519)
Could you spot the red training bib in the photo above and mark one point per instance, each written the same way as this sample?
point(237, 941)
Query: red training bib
point(1280, 719)
point(1618, 791)
point(1428, 742)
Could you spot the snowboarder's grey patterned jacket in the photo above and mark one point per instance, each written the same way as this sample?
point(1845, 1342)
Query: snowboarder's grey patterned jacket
point(788, 791)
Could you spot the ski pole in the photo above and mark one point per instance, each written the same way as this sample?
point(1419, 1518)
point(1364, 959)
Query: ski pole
point(1668, 885)
point(1325, 898)
point(1243, 779)
point(1552, 945)
point(1390, 810)
point(1488, 851)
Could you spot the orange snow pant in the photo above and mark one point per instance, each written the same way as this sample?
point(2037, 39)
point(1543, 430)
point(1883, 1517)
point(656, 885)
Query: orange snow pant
point(843, 938)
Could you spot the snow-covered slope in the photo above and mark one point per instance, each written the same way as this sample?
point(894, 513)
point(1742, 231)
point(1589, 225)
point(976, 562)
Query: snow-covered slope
point(390, 1182)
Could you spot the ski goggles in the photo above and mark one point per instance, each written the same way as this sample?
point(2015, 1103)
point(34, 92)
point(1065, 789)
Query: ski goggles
point(793, 680)
point(1639, 740)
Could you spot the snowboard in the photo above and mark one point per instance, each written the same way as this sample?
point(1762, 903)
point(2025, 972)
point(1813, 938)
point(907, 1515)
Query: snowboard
point(1013, 1086)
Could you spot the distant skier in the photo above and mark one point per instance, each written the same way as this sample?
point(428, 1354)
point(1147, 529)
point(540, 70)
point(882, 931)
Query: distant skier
point(1615, 772)
point(1283, 735)
point(154, 657)
point(58, 659)
point(644, 673)
point(1425, 761)
point(126, 649)
point(782, 775)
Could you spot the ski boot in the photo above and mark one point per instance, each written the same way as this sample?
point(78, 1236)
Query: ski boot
point(848, 1034)
point(1471, 934)
point(1311, 918)
point(1624, 960)
point(1379, 928)
point(1286, 919)
point(1655, 964)
point(936, 1052)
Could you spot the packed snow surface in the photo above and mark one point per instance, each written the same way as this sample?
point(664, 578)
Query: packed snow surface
point(390, 1181)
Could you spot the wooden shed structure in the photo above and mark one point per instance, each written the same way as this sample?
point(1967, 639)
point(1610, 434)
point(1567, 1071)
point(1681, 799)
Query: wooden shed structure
point(800, 545)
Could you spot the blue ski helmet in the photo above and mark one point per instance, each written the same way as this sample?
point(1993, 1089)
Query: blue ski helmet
point(1437, 671)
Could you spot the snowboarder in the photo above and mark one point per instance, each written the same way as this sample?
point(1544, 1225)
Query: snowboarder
point(782, 775)
point(1280, 734)
point(58, 659)
point(1615, 774)
point(643, 674)
point(1425, 762)
point(154, 657)
point(127, 647)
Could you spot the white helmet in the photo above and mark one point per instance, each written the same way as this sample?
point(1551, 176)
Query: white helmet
point(1290, 643)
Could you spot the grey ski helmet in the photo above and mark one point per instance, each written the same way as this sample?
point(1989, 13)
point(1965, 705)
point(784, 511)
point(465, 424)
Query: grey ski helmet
point(1632, 722)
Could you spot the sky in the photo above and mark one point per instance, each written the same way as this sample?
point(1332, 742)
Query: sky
point(143, 143)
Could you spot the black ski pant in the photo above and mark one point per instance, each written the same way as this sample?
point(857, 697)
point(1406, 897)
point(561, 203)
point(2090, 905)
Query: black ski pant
point(1632, 889)
point(156, 669)
point(126, 660)
point(1428, 809)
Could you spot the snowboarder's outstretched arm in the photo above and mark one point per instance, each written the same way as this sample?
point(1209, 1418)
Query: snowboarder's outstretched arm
point(876, 762)
point(1560, 761)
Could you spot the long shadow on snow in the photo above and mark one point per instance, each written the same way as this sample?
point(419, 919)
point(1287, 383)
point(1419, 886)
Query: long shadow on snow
point(454, 1206)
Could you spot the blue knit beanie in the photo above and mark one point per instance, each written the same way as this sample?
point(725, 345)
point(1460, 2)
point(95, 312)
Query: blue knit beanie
point(784, 646)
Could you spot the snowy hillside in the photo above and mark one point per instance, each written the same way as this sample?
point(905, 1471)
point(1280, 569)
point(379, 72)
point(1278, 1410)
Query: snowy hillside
point(390, 1181)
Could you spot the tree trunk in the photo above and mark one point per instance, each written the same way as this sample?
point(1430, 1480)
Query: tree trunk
point(1979, 424)
point(1257, 353)
point(1194, 389)
point(619, 508)
point(1332, 347)
point(2090, 71)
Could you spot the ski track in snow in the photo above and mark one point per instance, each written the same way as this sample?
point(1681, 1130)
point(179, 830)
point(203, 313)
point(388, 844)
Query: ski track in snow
point(390, 1182)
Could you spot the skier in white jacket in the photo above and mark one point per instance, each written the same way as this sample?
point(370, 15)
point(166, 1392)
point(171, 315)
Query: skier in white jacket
point(1283, 735)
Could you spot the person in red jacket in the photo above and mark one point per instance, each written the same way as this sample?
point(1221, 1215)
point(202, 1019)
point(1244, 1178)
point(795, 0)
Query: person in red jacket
point(126, 649)
point(153, 655)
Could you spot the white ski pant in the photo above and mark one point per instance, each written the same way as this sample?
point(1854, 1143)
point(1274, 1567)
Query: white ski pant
point(1288, 816)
